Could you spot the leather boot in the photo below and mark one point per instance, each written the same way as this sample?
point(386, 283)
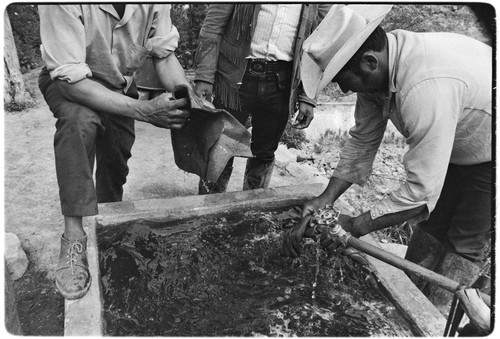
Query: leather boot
point(257, 174)
point(220, 186)
point(430, 253)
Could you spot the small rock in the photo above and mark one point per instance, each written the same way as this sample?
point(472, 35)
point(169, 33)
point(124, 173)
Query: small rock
point(299, 171)
point(294, 151)
point(318, 179)
point(15, 258)
point(283, 156)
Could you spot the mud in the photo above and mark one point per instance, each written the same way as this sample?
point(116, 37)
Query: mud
point(227, 277)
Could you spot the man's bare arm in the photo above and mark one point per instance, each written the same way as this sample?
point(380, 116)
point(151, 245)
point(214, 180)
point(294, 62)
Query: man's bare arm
point(170, 72)
point(160, 111)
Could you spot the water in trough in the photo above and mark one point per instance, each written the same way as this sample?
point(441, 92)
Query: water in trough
point(225, 276)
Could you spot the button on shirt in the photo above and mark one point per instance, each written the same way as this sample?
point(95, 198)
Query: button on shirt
point(275, 32)
point(81, 41)
point(439, 98)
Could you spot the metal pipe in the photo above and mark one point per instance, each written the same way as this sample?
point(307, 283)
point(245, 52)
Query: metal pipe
point(408, 266)
point(403, 264)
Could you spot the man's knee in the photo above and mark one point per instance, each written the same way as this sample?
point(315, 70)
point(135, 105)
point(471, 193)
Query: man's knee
point(78, 125)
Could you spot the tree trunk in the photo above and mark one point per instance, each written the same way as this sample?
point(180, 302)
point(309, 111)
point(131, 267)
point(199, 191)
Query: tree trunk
point(16, 97)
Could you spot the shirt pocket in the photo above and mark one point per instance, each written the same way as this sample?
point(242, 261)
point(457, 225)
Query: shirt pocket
point(136, 56)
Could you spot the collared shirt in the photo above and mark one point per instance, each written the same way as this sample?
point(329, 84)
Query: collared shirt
point(439, 98)
point(275, 32)
point(80, 41)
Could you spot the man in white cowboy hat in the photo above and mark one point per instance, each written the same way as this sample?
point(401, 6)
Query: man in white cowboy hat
point(436, 88)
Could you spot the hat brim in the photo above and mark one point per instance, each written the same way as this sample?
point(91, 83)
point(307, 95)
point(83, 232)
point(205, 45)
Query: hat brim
point(314, 80)
point(312, 77)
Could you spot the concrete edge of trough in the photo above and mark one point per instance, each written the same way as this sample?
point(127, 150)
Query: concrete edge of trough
point(83, 317)
point(424, 318)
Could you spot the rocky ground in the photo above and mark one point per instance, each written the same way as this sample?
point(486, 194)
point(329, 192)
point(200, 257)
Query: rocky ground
point(31, 206)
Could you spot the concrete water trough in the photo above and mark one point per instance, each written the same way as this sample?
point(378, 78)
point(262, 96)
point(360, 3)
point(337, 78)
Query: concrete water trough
point(84, 317)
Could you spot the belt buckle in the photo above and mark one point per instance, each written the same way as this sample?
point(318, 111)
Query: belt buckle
point(257, 67)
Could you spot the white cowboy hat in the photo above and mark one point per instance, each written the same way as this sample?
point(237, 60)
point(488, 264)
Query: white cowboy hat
point(336, 39)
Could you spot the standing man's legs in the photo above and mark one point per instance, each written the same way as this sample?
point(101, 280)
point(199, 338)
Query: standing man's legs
point(462, 219)
point(266, 98)
point(472, 223)
point(453, 240)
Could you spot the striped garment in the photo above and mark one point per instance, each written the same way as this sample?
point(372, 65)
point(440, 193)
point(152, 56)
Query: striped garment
point(275, 32)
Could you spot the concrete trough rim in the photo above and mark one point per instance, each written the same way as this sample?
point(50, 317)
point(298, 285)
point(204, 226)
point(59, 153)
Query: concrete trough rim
point(83, 317)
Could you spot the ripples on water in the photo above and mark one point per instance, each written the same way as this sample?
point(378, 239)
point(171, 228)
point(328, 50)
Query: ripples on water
point(226, 277)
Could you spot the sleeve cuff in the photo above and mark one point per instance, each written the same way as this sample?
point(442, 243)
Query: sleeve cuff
point(163, 46)
point(306, 99)
point(71, 73)
point(387, 206)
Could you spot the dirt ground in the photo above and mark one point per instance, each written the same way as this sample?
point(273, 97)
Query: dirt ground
point(31, 200)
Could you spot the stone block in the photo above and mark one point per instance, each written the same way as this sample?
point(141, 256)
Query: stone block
point(15, 258)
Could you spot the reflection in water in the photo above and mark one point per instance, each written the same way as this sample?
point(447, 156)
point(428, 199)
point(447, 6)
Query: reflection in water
point(226, 277)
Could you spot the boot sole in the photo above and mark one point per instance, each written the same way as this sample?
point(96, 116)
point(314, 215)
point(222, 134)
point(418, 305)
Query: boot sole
point(74, 296)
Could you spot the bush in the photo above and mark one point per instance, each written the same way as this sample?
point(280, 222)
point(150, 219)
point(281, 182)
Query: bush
point(440, 18)
point(188, 18)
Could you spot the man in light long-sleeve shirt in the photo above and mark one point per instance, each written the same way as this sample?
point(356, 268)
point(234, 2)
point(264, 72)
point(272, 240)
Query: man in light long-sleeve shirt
point(91, 53)
point(436, 88)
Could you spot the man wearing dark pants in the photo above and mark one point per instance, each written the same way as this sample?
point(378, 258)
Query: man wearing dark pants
point(436, 88)
point(91, 53)
point(247, 58)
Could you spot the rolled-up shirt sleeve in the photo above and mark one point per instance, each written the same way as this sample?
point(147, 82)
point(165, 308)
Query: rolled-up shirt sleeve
point(430, 112)
point(63, 50)
point(163, 38)
point(358, 153)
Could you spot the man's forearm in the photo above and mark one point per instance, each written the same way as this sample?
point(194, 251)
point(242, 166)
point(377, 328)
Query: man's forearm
point(364, 224)
point(170, 72)
point(336, 187)
point(100, 98)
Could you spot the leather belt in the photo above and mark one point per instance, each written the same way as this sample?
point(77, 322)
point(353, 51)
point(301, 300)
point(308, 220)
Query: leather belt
point(261, 67)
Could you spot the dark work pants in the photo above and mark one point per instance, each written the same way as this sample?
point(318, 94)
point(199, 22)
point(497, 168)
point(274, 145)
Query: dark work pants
point(462, 219)
point(81, 136)
point(265, 99)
